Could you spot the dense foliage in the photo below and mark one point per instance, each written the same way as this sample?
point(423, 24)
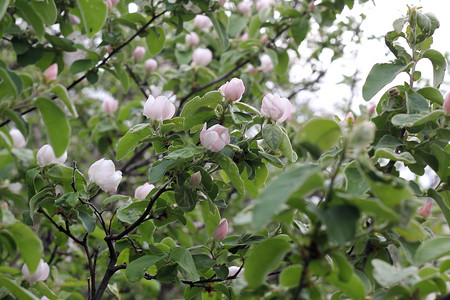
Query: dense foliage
point(152, 149)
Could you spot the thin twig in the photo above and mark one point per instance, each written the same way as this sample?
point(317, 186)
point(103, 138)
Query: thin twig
point(130, 71)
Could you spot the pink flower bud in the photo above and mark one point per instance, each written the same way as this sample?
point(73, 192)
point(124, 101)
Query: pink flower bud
point(150, 65)
point(215, 138)
point(371, 109)
point(41, 273)
point(142, 191)
point(73, 19)
point(138, 52)
point(446, 105)
point(261, 4)
point(202, 56)
point(252, 69)
point(103, 173)
point(159, 108)
point(202, 22)
point(110, 105)
point(51, 73)
point(425, 210)
point(18, 138)
point(349, 118)
point(46, 156)
point(233, 270)
point(196, 178)
point(311, 5)
point(221, 231)
point(115, 2)
point(5, 205)
point(233, 90)
point(264, 38)
point(276, 108)
point(244, 36)
point(244, 7)
point(44, 298)
point(222, 2)
point(155, 91)
point(266, 63)
point(192, 39)
point(109, 3)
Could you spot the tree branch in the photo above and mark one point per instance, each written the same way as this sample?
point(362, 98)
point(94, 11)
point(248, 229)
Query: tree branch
point(136, 81)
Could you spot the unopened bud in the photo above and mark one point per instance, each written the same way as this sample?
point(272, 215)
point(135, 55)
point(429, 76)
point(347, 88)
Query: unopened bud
point(446, 105)
point(150, 65)
point(196, 178)
point(425, 210)
point(221, 231)
point(51, 73)
point(349, 118)
point(139, 52)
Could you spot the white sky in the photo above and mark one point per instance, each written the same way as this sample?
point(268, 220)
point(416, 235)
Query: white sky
point(378, 22)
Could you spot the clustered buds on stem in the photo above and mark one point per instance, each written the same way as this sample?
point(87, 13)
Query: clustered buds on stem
point(221, 231)
point(142, 191)
point(46, 156)
point(41, 273)
point(103, 173)
point(159, 108)
point(214, 138)
point(233, 90)
point(276, 108)
point(202, 56)
point(18, 138)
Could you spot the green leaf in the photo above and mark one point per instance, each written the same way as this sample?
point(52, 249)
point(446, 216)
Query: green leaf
point(159, 169)
point(46, 10)
point(290, 277)
point(57, 125)
point(7, 83)
point(386, 274)
point(265, 257)
point(254, 26)
point(184, 258)
point(441, 202)
point(3, 7)
point(439, 66)
point(87, 221)
point(354, 288)
point(221, 31)
point(132, 139)
point(187, 152)
point(278, 192)
point(345, 269)
point(30, 246)
point(323, 133)
point(20, 123)
point(404, 120)
point(211, 216)
point(299, 29)
point(272, 135)
point(198, 110)
point(15, 289)
point(114, 198)
point(432, 249)
point(93, 15)
point(45, 290)
point(388, 153)
point(137, 268)
point(62, 94)
point(155, 40)
point(341, 222)
point(379, 76)
point(374, 207)
point(30, 15)
point(286, 147)
point(432, 94)
point(82, 65)
point(228, 165)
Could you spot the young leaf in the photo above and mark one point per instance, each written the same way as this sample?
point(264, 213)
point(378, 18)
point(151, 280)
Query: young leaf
point(15, 289)
point(272, 136)
point(31, 16)
point(136, 269)
point(93, 15)
point(228, 165)
point(439, 66)
point(432, 249)
point(155, 40)
point(62, 94)
point(184, 258)
point(132, 139)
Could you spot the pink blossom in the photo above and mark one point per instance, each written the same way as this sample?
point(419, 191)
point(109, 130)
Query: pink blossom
point(232, 271)
point(244, 7)
point(51, 73)
point(221, 231)
point(264, 38)
point(159, 108)
point(115, 2)
point(425, 210)
point(266, 63)
point(41, 273)
point(233, 90)
point(192, 39)
point(110, 105)
point(261, 4)
point(150, 65)
point(109, 3)
point(46, 156)
point(73, 19)
point(371, 109)
point(311, 5)
point(244, 36)
point(18, 138)
point(276, 108)
point(202, 22)
point(138, 52)
point(202, 56)
point(103, 173)
point(446, 105)
point(142, 191)
point(195, 179)
point(215, 138)
point(349, 118)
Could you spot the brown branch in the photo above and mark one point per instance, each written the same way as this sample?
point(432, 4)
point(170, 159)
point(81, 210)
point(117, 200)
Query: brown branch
point(130, 71)
point(307, 85)
point(101, 63)
point(135, 157)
